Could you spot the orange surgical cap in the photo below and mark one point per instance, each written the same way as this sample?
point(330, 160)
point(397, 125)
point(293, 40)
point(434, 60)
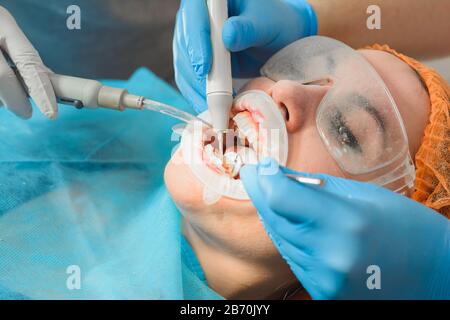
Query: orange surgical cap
point(433, 158)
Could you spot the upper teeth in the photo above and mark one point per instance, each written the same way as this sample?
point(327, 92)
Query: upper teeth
point(232, 161)
point(247, 128)
point(214, 157)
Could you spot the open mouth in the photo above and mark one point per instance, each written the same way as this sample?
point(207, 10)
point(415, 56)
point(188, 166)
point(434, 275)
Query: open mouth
point(240, 147)
point(257, 130)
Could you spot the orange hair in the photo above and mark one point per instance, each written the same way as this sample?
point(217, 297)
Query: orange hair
point(433, 157)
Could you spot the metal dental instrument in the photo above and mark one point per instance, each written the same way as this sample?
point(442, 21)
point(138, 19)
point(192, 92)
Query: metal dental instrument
point(305, 180)
point(219, 84)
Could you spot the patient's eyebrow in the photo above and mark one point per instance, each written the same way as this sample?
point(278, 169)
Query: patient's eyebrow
point(364, 103)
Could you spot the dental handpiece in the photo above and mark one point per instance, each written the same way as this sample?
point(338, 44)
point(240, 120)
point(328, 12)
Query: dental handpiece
point(219, 83)
point(82, 93)
point(88, 93)
point(92, 94)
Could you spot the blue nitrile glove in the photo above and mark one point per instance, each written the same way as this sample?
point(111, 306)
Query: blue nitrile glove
point(255, 31)
point(332, 236)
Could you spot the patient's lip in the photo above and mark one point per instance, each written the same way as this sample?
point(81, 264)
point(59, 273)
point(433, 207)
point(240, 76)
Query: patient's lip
point(254, 111)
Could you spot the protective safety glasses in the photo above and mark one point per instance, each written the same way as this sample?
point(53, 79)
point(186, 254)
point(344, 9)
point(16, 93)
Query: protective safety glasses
point(358, 120)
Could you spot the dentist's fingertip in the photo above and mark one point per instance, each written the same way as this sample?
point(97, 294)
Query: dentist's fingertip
point(247, 170)
point(229, 34)
point(41, 91)
point(22, 110)
point(26, 116)
point(267, 162)
point(51, 115)
point(48, 106)
point(268, 167)
point(239, 34)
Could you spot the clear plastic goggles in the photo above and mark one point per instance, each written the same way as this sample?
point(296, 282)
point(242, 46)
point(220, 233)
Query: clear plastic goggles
point(358, 120)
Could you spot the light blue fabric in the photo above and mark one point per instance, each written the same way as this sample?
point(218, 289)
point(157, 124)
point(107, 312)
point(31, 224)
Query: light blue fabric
point(88, 190)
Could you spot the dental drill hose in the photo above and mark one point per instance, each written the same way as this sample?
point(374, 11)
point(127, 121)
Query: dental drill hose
point(219, 84)
point(92, 94)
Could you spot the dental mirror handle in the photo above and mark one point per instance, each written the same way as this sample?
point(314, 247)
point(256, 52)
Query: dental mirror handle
point(219, 83)
point(92, 94)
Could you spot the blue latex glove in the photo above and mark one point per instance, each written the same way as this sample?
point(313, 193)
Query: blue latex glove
point(255, 31)
point(330, 235)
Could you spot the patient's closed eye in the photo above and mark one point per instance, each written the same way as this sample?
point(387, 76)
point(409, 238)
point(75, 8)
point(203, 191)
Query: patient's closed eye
point(343, 133)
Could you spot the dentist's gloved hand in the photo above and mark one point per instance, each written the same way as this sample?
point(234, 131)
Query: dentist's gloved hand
point(31, 68)
point(331, 235)
point(254, 32)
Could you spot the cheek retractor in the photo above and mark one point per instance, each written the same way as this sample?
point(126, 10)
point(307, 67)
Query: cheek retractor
point(262, 132)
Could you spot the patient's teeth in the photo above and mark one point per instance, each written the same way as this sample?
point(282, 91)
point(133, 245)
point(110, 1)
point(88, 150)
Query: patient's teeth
point(247, 127)
point(241, 135)
point(232, 163)
point(213, 157)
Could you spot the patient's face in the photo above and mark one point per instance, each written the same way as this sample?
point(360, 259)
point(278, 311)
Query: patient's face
point(233, 225)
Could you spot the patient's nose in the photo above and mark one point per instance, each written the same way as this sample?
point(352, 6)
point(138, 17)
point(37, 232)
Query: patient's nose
point(297, 102)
